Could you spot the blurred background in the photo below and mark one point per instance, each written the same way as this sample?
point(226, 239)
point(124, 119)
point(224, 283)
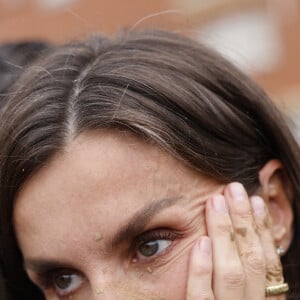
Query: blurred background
point(262, 37)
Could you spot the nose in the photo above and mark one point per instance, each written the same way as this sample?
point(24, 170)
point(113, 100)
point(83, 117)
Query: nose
point(116, 293)
point(112, 285)
point(106, 294)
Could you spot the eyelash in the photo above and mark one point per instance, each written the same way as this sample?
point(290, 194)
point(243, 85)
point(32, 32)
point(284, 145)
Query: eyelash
point(45, 279)
point(152, 235)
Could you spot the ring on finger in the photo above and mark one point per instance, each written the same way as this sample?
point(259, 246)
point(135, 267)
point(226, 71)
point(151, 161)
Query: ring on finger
point(276, 289)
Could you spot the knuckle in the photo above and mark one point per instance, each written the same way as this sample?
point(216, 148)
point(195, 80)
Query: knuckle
point(244, 214)
point(274, 270)
point(199, 295)
point(256, 263)
point(224, 228)
point(234, 280)
point(200, 268)
point(205, 296)
point(260, 226)
point(234, 277)
point(202, 271)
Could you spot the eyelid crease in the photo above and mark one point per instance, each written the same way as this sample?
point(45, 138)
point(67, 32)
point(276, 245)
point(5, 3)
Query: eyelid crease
point(42, 265)
point(152, 235)
point(157, 234)
point(140, 219)
point(45, 278)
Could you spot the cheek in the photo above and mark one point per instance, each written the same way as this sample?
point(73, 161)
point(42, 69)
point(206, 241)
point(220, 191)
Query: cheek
point(167, 281)
point(176, 279)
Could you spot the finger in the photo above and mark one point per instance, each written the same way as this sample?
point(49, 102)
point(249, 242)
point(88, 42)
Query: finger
point(274, 273)
point(228, 274)
point(247, 240)
point(199, 285)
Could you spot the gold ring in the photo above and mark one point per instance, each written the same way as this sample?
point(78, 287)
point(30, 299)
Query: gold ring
point(277, 289)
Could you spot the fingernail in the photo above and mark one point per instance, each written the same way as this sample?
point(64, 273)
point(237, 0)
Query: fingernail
point(237, 191)
point(205, 245)
point(258, 205)
point(219, 204)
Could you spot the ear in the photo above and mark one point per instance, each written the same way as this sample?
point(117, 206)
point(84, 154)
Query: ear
point(278, 195)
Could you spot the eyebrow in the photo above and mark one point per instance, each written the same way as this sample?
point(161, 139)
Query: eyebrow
point(141, 218)
point(134, 226)
point(41, 266)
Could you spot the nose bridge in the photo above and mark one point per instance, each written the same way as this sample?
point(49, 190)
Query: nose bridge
point(107, 294)
point(121, 293)
point(107, 284)
point(111, 293)
point(117, 284)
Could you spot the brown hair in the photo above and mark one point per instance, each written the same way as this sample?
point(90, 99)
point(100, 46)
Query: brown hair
point(14, 57)
point(165, 88)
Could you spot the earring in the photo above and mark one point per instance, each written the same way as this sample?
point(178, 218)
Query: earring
point(280, 250)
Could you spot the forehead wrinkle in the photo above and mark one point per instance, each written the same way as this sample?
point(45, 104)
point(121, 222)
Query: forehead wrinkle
point(140, 219)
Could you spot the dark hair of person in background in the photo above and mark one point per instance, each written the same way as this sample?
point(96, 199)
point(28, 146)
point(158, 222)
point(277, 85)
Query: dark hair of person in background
point(14, 57)
point(174, 92)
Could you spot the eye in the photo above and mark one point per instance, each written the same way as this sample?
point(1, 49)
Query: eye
point(66, 283)
point(61, 282)
point(153, 243)
point(152, 248)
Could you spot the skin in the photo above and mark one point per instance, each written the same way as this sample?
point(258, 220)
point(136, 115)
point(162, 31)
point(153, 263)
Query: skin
point(89, 212)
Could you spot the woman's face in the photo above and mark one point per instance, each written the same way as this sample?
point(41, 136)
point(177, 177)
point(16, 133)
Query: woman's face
point(111, 217)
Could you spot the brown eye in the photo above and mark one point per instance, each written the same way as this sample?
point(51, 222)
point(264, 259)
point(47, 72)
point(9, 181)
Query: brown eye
point(152, 248)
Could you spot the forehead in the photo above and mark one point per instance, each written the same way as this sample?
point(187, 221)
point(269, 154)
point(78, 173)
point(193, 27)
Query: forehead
point(95, 184)
point(106, 162)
